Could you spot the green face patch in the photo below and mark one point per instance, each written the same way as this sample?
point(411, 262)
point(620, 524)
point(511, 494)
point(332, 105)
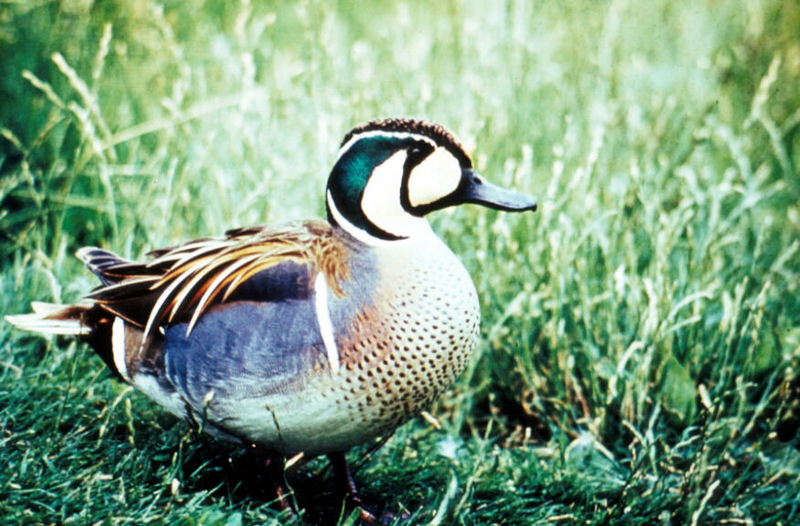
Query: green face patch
point(352, 171)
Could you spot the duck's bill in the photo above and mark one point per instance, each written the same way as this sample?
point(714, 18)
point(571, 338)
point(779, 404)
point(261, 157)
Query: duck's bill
point(475, 189)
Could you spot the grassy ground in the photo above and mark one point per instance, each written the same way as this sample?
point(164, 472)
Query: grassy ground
point(640, 353)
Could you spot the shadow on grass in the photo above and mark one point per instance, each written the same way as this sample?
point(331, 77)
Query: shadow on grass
point(240, 478)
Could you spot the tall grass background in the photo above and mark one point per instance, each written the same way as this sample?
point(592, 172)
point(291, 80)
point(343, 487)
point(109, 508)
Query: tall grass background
point(640, 347)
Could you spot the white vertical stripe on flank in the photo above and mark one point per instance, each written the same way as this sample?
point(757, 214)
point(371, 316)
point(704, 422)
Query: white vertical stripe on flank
point(118, 347)
point(324, 320)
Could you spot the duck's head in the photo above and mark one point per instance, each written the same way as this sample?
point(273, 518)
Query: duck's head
point(391, 173)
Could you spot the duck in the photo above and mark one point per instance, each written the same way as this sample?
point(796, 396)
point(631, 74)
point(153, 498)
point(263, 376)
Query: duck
point(308, 338)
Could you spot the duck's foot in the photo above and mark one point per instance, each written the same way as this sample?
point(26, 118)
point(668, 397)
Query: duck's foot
point(347, 488)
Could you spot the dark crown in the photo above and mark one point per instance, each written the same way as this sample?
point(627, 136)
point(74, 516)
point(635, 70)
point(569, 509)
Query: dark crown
point(438, 133)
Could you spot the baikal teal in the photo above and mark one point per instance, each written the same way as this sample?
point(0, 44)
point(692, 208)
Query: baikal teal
point(309, 338)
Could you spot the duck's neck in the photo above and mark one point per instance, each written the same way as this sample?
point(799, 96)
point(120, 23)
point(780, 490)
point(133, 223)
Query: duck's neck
point(395, 226)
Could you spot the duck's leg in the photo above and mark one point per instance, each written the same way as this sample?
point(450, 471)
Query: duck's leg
point(275, 474)
point(273, 467)
point(344, 479)
point(347, 487)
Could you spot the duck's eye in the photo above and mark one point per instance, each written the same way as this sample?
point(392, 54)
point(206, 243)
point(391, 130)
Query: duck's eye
point(415, 152)
point(418, 152)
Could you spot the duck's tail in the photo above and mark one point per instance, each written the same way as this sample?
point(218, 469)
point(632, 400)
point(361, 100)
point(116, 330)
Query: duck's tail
point(53, 318)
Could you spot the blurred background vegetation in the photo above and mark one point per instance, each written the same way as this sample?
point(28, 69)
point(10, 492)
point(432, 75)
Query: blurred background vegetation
point(641, 337)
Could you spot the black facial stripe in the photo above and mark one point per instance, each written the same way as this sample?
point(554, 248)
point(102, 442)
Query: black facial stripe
point(367, 226)
point(444, 202)
point(415, 156)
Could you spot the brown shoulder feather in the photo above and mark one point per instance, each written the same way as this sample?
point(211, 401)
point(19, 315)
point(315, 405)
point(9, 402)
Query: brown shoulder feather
point(182, 282)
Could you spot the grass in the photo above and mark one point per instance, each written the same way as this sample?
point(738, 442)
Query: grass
point(640, 352)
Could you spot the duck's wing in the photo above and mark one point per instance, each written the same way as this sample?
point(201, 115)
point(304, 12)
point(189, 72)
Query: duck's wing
point(182, 283)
